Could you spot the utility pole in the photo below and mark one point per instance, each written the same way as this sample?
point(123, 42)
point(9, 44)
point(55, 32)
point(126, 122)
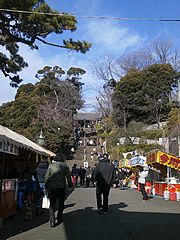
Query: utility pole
point(84, 141)
point(177, 77)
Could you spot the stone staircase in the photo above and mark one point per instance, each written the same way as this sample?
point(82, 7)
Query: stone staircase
point(83, 153)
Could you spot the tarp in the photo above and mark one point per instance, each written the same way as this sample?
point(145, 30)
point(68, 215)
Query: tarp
point(10, 138)
point(164, 159)
point(137, 160)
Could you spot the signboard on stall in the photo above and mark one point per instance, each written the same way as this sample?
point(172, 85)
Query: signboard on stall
point(164, 159)
point(124, 163)
point(85, 164)
point(137, 160)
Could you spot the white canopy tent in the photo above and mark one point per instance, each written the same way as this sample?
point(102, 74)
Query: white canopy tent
point(10, 141)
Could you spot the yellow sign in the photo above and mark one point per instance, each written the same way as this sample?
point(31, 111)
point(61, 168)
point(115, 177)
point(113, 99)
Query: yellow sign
point(164, 159)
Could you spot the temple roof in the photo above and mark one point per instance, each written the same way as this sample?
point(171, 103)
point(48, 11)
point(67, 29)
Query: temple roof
point(91, 116)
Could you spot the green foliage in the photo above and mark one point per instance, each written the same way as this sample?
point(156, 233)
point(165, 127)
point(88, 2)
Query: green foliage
point(144, 95)
point(152, 134)
point(48, 105)
point(173, 118)
point(103, 135)
point(30, 29)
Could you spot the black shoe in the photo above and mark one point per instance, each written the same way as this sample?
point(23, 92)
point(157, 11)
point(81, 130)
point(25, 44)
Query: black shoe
point(52, 224)
point(60, 220)
point(100, 211)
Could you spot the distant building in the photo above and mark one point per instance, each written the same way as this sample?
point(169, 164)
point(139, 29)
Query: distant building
point(86, 119)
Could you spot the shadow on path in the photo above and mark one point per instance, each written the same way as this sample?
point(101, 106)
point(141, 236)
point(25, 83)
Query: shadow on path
point(120, 224)
point(86, 224)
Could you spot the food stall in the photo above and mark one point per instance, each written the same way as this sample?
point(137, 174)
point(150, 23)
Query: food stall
point(8, 198)
point(168, 165)
point(17, 153)
point(134, 162)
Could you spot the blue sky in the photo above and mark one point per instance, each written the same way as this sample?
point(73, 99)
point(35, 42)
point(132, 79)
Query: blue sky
point(107, 36)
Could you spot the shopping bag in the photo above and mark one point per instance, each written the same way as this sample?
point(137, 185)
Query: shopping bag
point(45, 202)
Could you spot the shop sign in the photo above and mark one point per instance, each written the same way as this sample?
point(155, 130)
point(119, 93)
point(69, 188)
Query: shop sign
point(169, 160)
point(152, 157)
point(164, 159)
point(124, 163)
point(138, 160)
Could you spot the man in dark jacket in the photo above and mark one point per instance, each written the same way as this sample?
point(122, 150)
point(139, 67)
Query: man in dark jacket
point(103, 175)
point(41, 172)
point(55, 182)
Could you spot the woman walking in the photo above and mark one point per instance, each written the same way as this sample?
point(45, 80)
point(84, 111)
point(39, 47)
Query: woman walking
point(143, 173)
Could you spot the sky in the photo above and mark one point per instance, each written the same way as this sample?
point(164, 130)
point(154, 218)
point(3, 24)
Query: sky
point(107, 37)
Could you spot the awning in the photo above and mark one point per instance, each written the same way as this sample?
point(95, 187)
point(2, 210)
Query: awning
point(164, 159)
point(137, 160)
point(10, 141)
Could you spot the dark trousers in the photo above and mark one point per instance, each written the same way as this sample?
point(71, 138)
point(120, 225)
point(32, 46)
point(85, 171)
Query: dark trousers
point(142, 189)
point(82, 181)
point(54, 195)
point(88, 181)
point(102, 191)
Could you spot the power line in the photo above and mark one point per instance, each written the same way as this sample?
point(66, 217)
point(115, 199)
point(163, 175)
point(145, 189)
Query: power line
point(91, 17)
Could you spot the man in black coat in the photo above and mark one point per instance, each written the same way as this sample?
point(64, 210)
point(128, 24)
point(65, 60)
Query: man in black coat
point(103, 175)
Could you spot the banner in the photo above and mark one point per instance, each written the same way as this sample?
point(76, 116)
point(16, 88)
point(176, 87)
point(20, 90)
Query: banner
point(164, 159)
point(137, 160)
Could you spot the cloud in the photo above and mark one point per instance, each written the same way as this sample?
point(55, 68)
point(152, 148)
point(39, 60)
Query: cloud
point(87, 7)
point(35, 62)
point(7, 93)
point(112, 37)
point(105, 37)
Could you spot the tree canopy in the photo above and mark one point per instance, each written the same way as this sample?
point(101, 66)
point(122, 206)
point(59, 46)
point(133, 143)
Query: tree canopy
point(29, 27)
point(48, 105)
point(144, 95)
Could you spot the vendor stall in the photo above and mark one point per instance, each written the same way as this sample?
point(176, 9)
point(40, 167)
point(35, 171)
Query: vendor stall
point(17, 154)
point(8, 198)
point(168, 165)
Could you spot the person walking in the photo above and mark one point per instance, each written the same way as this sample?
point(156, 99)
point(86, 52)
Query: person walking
point(82, 173)
point(74, 174)
point(121, 176)
point(88, 176)
point(41, 170)
point(143, 173)
point(55, 182)
point(103, 176)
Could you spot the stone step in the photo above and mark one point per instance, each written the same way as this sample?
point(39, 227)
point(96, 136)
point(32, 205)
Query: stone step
point(79, 163)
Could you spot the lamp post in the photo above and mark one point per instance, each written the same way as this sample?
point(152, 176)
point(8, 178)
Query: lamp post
point(41, 138)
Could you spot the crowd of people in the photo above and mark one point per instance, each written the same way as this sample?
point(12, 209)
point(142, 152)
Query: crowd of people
point(52, 180)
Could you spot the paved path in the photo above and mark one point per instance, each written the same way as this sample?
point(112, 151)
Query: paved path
point(129, 218)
